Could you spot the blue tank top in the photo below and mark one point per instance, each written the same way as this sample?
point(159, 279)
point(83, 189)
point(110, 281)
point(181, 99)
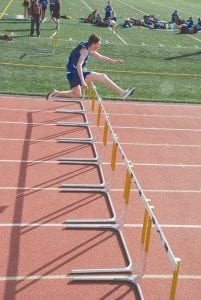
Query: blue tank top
point(75, 55)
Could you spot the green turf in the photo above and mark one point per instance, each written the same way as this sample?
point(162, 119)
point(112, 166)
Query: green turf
point(162, 65)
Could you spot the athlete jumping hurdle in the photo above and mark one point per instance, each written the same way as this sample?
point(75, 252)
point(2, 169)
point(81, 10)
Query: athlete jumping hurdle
point(78, 77)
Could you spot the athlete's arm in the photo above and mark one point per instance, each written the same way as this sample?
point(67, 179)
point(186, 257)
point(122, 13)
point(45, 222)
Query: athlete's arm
point(83, 55)
point(106, 59)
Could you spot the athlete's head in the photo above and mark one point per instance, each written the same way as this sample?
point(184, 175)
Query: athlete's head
point(94, 42)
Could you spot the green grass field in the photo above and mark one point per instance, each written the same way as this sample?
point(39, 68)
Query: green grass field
point(162, 65)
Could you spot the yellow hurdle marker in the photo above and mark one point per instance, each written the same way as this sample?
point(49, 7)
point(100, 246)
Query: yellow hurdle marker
point(99, 114)
point(54, 38)
point(114, 155)
point(105, 132)
point(93, 101)
point(89, 91)
point(174, 280)
point(148, 233)
point(127, 187)
point(144, 228)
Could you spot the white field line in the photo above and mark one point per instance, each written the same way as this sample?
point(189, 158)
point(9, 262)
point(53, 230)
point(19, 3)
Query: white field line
point(133, 7)
point(193, 37)
point(169, 165)
point(132, 44)
point(65, 277)
point(177, 226)
point(122, 143)
point(119, 127)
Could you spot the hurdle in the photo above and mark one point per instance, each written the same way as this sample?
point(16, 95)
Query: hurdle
point(49, 49)
point(120, 221)
point(54, 41)
point(149, 221)
point(101, 187)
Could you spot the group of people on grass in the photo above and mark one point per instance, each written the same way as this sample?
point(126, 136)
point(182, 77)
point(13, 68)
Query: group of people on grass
point(187, 26)
point(95, 17)
point(36, 10)
point(176, 22)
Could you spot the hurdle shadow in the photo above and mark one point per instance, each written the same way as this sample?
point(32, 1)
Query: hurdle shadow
point(14, 246)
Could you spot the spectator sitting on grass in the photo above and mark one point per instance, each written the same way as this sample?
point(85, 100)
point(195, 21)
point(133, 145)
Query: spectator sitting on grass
point(108, 10)
point(188, 26)
point(92, 17)
point(199, 24)
point(174, 17)
point(189, 22)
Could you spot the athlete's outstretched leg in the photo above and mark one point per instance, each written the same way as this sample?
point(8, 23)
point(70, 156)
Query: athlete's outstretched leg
point(101, 77)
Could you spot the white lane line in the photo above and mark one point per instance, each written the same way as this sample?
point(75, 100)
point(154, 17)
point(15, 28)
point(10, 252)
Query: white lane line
point(191, 226)
point(156, 116)
point(118, 127)
point(156, 128)
point(131, 103)
point(24, 110)
point(28, 161)
point(122, 143)
point(104, 163)
point(22, 188)
point(27, 123)
point(111, 114)
point(169, 165)
point(159, 104)
point(65, 277)
point(27, 188)
point(180, 226)
point(28, 140)
point(156, 276)
point(160, 191)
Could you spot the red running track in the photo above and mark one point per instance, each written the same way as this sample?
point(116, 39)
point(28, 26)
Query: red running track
point(162, 140)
